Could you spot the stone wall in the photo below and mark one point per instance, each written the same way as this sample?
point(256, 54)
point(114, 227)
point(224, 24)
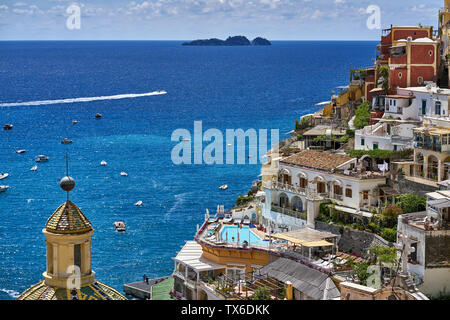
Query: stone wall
point(358, 242)
point(437, 249)
point(406, 186)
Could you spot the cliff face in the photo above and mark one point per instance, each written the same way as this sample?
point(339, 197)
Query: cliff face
point(231, 41)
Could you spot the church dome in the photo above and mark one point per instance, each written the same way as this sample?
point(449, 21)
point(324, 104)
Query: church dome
point(68, 219)
point(93, 291)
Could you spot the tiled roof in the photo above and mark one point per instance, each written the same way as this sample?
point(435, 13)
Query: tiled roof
point(68, 219)
point(94, 291)
point(317, 159)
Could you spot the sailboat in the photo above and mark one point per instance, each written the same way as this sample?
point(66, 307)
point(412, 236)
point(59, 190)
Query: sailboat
point(103, 163)
point(138, 204)
point(34, 168)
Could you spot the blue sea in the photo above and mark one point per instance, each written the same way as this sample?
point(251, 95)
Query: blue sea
point(224, 87)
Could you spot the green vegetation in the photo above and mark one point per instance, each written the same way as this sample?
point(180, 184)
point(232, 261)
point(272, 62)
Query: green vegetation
point(362, 115)
point(411, 203)
point(361, 272)
point(380, 154)
point(384, 255)
point(389, 216)
point(304, 123)
point(332, 138)
point(261, 293)
point(375, 154)
point(243, 200)
point(389, 234)
point(384, 224)
point(383, 71)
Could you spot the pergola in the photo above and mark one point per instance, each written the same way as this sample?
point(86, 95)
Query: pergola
point(309, 239)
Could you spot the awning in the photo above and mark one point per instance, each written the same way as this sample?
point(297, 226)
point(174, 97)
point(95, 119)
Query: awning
point(345, 209)
point(376, 90)
point(322, 243)
point(191, 255)
point(439, 203)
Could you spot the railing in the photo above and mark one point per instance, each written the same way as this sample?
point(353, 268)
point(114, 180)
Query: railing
point(287, 187)
point(290, 212)
point(338, 197)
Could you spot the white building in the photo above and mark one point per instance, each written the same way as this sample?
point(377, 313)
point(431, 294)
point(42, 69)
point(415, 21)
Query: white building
point(310, 178)
point(428, 101)
point(386, 135)
point(429, 232)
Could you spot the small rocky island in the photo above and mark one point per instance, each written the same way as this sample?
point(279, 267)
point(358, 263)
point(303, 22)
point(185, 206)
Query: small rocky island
point(231, 41)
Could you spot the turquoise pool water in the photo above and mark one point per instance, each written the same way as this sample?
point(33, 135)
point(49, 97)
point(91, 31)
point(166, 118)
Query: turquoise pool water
point(245, 234)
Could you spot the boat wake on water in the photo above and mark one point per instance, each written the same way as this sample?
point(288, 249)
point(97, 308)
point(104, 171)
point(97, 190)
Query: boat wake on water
point(87, 99)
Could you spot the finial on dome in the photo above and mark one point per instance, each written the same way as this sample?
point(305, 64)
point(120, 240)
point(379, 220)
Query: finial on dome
point(67, 183)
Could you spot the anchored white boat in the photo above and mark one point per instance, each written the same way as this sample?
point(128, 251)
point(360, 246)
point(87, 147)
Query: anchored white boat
point(224, 187)
point(120, 226)
point(138, 204)
point(104, 163)
point(4, 176)
point(3, 188)
point(34, 168)
point(124, 174)
point(98, 115)
point(21, 151)
point(42, 158)
point(74, 121)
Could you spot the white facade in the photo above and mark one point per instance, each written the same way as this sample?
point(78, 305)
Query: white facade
point(429, 101)
point(287, 201)
point(385, 136)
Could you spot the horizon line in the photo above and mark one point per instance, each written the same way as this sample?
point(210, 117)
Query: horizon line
point(177, 40)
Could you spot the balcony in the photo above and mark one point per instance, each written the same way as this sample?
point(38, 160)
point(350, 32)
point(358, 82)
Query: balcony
point(289, 212)
point(287, 187)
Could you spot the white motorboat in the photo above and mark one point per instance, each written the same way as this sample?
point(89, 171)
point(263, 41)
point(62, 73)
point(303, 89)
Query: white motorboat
point(124, 174)
point(74, 121)
point(120, 226)
point(8, 126)
point(138, 204)
point(66, 141)
point(224, 187)
point(42, 158)
point(34, 168)
point(3, 188)
point(4, 176)
point(98, 116)
point(103, 163)
point(21, 151)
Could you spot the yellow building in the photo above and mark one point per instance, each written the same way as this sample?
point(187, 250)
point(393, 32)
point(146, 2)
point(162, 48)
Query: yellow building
point(69, 275)
point(444, 26)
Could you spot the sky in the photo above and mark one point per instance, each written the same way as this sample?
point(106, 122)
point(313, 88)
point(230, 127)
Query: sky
point(201, 19)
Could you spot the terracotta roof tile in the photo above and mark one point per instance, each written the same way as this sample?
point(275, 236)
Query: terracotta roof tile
point(317, 160)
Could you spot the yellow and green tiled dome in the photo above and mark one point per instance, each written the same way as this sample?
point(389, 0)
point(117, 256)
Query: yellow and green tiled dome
point(68, 219)
point(93, 291)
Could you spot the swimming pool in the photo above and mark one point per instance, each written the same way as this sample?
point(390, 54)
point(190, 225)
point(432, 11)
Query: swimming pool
point(245, 234)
